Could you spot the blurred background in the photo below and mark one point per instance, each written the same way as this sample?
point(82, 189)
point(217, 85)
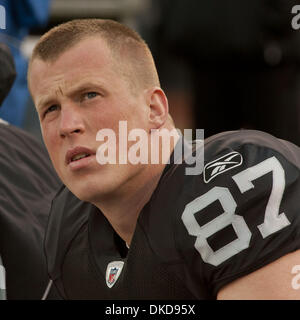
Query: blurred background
point(224, 65)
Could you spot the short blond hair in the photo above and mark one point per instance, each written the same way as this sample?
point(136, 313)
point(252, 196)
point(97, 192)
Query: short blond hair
point(123, 42)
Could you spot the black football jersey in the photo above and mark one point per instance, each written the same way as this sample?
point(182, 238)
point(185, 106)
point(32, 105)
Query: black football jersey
point(196, 234)
point(27, 185)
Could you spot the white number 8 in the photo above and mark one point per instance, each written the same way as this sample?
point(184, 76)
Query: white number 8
point(273, 220)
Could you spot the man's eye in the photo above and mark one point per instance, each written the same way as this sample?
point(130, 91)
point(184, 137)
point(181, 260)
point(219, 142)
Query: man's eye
point(51, 109)
point(90, 95)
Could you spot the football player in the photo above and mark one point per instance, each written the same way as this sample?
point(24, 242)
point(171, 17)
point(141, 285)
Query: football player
point(27, 185)
point(144, 230)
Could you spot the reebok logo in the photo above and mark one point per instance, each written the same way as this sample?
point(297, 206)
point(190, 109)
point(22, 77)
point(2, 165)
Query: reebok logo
point(221, 165)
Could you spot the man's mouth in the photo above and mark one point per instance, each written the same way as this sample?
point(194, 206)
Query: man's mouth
point(77, 154)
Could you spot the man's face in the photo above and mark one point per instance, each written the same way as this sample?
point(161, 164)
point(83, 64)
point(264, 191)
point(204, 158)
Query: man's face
point(76, 96)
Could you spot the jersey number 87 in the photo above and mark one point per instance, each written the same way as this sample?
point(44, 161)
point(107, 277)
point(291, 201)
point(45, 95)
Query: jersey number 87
point(273, 220)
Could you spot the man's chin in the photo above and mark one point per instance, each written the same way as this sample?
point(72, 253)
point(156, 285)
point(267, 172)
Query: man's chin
point(94, 188)
point(88, 194)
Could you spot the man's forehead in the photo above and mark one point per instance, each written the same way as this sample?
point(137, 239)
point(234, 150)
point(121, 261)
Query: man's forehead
point(60, 86)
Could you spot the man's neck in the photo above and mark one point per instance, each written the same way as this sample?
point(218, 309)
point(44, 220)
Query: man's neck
point(122, 210)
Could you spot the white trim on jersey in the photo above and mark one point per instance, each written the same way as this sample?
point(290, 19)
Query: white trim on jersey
point(45, 295)
point(2, 281)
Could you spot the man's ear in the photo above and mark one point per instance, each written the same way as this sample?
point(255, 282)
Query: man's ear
point(158, 107)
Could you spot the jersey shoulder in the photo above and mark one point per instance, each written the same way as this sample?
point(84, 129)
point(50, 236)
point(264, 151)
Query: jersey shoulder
point(254, 145)
point(239, 214)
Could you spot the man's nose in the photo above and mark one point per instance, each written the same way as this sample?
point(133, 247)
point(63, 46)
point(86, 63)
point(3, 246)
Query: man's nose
point(71, 121)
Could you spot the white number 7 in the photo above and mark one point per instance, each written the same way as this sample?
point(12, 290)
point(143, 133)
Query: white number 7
point(273, 221)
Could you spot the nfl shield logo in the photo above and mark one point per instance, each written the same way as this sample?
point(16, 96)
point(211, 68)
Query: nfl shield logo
point(113, 272)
